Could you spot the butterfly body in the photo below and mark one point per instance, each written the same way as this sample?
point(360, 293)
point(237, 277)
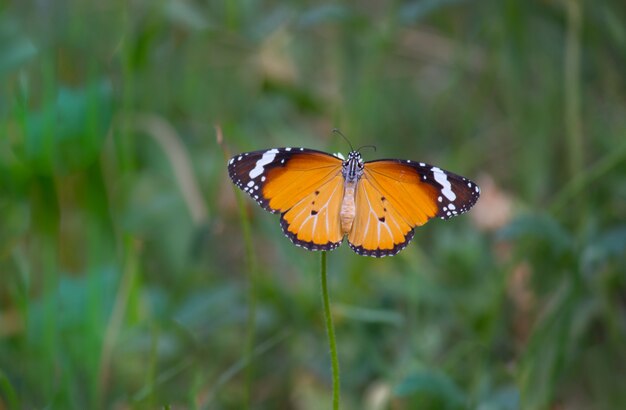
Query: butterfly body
point(323, 198)
point(352, 170)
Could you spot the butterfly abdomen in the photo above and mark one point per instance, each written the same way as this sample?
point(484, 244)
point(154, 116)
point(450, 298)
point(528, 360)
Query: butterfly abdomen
point(348, 207)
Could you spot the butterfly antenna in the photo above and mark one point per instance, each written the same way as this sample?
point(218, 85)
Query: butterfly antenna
point(336, 131)
point(367, 146)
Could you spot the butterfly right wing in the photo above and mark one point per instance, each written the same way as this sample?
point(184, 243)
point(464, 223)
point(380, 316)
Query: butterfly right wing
point(305, 186)
point(395, 196)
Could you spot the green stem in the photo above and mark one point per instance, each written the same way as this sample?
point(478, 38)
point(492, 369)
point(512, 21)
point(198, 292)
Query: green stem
point(573, 121)
point(330, 329)
point(571, 75)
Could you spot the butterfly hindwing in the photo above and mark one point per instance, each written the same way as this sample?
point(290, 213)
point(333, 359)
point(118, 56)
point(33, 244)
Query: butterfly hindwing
point(379, 229)
point(314, 223)
point(304, 185)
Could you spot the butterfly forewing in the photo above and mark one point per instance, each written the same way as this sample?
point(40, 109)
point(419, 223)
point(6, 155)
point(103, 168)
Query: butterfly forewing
point(432, 189)
point(314, 223)
point(264, 175)
point(304, 185)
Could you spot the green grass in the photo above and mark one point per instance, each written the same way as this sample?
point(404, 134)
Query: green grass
point(133, 277)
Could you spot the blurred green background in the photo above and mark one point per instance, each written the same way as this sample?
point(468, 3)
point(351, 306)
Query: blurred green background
point(125, 274)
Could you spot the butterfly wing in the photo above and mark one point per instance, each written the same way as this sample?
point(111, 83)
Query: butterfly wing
point(395, 196)
point(305, 186)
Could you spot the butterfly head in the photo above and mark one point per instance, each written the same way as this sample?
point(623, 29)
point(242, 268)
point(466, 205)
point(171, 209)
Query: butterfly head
point(353, 167)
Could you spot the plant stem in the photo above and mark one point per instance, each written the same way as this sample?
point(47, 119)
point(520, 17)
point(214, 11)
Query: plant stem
point(331, 334)
point(571, 76)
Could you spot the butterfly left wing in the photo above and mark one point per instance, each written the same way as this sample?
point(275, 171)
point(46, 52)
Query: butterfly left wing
point(395, 196)
point(304, 185)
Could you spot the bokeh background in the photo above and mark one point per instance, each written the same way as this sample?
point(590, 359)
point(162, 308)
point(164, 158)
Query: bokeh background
point(132, 276)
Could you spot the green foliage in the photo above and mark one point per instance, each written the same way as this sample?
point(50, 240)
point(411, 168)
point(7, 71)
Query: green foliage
point(430, 390)
point(128, 269)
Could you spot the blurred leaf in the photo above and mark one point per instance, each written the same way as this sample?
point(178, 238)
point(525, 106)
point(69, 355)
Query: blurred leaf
point(15, 49)
point(612, 23)
point(209, 309)
point(600, 249)
point(417, 10)
point(542, 230)
point(554, 343)
point(187, 14)
point(430, 390)
point(268, 23)
point(8, 393)
point(502, 399)
point(362, 314)
point(542, 241)
point(68, 133)
point(73, 298)
point(323, 13)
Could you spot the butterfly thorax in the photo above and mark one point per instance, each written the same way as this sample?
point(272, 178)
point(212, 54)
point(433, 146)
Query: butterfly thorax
point(352, 170)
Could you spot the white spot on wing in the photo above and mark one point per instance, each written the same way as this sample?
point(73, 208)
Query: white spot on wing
point(250, 184)
point(267, 158)
point(442, 179)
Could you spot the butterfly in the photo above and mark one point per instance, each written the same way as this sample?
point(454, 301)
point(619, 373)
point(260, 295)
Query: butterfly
point(322, 198)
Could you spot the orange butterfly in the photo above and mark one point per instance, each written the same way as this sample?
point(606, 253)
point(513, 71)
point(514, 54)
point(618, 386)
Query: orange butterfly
point(323, 197)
